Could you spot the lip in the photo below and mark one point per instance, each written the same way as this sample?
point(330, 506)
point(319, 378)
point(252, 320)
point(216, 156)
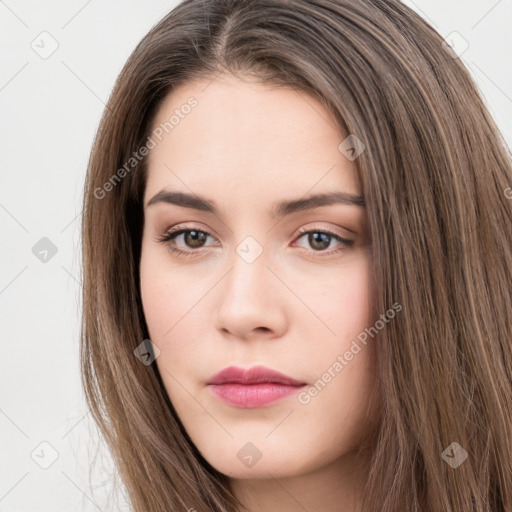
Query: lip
point(253, 387)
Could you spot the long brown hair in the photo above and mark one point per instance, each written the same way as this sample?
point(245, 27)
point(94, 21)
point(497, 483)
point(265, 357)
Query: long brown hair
point(436, 175)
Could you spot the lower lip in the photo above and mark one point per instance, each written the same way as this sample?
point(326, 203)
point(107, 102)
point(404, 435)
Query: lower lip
point(250, 396)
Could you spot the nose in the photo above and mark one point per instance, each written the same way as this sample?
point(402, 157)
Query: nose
point(252, 301)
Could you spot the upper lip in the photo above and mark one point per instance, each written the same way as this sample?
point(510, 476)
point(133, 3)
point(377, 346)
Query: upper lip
point(253, 375)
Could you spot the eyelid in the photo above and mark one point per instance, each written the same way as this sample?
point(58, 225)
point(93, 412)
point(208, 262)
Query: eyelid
point(187, 227)
point(300, 231)
point(320, 228)
point(180, 229)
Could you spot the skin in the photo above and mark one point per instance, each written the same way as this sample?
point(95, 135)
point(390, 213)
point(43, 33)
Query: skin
point(295, 308)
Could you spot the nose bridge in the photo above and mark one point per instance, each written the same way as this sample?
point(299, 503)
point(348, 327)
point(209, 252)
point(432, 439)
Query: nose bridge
point(248, 296)
point(250, 250)
point(249, 271)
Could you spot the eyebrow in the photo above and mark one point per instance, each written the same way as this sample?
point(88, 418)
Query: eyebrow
point(281, 209)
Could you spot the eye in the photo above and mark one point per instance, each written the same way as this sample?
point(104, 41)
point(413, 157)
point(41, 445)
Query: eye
point(318, 239)
point(194, 237)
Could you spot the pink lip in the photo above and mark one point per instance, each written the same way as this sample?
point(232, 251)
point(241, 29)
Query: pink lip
point(253, 387)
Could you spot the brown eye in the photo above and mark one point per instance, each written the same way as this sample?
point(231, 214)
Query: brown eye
point(194, 238)
point(320, 240)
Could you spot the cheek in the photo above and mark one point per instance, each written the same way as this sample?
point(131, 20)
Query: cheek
point(346, 307)
point(173, 309)
point(345, 303)
point(166, 297)
point(161, 309)
point(155, 303)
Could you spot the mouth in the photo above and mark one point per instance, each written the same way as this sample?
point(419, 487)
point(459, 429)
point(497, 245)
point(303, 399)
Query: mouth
point(253, 387)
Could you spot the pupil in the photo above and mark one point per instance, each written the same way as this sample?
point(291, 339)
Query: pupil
point(196, 237)
point(319, 237)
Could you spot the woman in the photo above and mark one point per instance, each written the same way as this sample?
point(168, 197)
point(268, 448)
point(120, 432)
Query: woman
point(298, 264)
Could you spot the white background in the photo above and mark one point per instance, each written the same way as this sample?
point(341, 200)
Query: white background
point(49, 111)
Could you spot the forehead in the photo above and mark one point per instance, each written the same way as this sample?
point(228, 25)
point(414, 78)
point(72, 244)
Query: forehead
point(232, 135)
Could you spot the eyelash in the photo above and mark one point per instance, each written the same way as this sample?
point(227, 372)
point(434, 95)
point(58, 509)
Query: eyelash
point(169, 237)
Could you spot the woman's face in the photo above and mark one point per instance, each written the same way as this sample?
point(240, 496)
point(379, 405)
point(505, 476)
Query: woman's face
point(258, 285)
